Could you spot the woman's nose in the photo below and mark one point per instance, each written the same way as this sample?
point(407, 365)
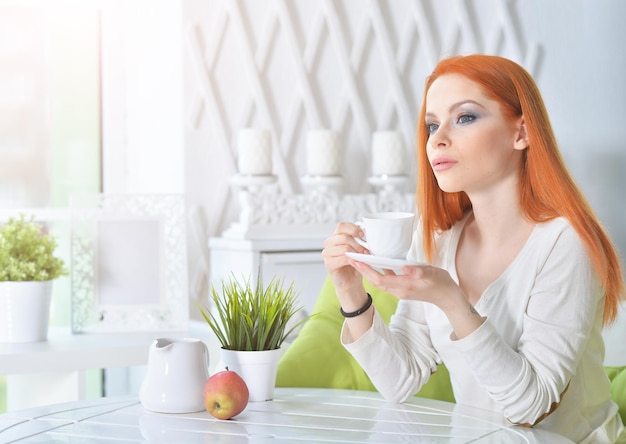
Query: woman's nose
point(439, 139)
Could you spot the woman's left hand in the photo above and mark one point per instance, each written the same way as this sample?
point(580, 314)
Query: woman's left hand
point(428, 284)
point(417, 282)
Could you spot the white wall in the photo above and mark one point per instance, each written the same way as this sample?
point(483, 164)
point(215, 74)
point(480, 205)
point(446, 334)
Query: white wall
point(143, 135)
point(573, 47)
point(580, 72)
point(582, 79)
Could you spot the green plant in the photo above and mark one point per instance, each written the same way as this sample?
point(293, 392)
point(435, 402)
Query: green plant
point(27, 252)
point(252, 318)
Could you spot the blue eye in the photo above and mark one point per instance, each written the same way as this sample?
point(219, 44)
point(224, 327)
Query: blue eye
point(466, 118)
point(431, 128)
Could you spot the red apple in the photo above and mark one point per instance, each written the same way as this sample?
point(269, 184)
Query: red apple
point(225, 394)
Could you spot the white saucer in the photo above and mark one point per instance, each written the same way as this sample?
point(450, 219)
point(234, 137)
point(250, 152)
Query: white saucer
point(382, 262)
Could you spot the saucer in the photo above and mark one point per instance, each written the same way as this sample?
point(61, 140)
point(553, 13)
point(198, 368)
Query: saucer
point(386, 263)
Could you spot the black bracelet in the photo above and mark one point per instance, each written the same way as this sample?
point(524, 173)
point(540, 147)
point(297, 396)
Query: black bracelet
point(361, 310)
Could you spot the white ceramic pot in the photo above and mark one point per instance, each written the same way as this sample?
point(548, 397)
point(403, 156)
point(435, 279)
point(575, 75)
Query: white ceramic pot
point(24, 311)
point(257, 368)
point(177, 372)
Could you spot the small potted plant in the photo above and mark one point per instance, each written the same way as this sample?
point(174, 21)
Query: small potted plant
point(27, 268)
point(251, 323)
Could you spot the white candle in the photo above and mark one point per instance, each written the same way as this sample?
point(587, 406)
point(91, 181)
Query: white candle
point(323, 153)
point(388, 156)
point(254, 150)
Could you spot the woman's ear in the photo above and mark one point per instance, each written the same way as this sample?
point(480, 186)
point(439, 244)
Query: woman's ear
point(521, 141)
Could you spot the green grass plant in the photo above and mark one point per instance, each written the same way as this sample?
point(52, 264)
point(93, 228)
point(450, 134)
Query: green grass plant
point(251, 317)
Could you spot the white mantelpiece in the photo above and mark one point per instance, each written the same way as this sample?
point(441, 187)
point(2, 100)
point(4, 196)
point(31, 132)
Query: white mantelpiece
point(266, 213)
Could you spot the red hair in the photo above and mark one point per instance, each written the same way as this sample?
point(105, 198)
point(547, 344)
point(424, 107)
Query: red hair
point(546, 190)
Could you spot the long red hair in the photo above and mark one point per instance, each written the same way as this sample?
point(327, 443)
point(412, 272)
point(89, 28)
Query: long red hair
point(547, 190)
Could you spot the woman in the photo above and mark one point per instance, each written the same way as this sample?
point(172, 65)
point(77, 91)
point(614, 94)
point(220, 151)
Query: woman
point(521, 279)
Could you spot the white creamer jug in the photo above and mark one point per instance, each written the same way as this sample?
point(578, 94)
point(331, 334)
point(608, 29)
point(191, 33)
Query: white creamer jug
point(177, 372)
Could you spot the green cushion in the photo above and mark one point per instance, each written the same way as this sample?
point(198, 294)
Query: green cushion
point(617, 375)
point(316, 358)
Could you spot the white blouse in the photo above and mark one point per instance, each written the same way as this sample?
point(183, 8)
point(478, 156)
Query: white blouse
point(540, 347)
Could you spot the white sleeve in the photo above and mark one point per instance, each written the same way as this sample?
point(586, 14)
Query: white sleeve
point(400, 358)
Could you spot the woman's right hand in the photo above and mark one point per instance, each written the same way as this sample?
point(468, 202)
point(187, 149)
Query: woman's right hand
point(345, 277)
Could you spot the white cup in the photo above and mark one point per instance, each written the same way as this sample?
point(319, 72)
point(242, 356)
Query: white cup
point(387, 234)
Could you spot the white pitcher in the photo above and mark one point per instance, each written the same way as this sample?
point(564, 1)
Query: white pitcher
point(177, 372)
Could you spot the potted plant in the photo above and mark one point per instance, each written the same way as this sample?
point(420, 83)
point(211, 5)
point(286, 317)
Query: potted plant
point(27, 268)
point(251, 323)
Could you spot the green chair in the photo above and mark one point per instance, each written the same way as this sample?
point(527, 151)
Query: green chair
point(617, 375)
point(316, 358)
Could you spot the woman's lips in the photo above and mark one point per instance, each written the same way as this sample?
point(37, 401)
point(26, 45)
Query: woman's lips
point(442, 163)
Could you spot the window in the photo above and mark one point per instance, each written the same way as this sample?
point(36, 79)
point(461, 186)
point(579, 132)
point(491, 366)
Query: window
point(49, 104)
point(50, 128)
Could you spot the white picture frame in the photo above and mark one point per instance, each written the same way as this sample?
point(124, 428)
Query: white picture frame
point(128, 263)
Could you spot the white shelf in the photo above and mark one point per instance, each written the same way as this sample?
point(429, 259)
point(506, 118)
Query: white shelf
point(64, 351)
point(40, 373)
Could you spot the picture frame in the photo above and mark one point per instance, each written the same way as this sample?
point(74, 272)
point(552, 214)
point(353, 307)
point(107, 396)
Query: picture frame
point(128, 263)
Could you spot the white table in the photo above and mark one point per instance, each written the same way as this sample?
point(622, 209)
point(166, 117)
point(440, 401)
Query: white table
point(295, 414)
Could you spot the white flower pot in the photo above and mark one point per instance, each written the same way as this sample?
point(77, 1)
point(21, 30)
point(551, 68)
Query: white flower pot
point(257, 368)
point(24, 311)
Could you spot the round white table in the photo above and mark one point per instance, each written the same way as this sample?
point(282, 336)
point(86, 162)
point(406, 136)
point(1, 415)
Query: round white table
point(295, 414)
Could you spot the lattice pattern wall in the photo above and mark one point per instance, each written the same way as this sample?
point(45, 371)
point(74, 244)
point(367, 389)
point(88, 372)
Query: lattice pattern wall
point(353, 66)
